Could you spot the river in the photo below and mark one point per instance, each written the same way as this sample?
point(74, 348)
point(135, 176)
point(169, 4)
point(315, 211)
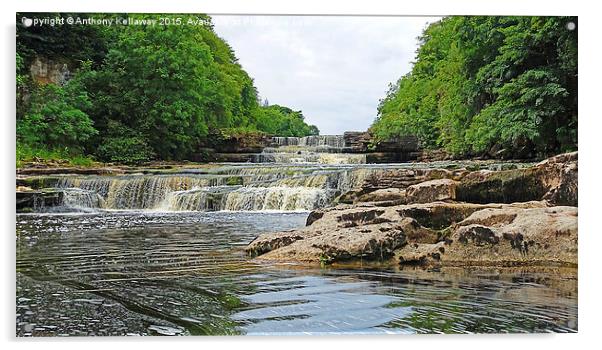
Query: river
point(161, 253)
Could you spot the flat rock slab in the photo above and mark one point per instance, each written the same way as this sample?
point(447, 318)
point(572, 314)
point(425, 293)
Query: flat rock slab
point(432, 191)
point(364, 232)
point(509, 236)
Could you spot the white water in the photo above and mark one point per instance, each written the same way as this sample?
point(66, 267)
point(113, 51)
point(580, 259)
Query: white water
point(257, 188)
point(320, 149)
point(334, 141)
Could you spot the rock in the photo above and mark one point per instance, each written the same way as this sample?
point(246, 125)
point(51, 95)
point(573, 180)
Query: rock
point(485, 186)
point(507, 236)
point(356, 141)
point(440, 215)
point(420, 254)
point(204, 155)
point(384, 195)
point(374, 242)
point(560, 176)
point(402, 178)
point(433, 155)
point(403, 144)
point(416, 233)
point(70, 170)
point(334, 234)
point(508, 217)
point(235, 157)
point(390, 157)
point(554, 180)
point(45, 71)
point(362, 231)
point(37, 182)
point(27, 201)
point(350, 196)
point(432, 191)
point(270, 241)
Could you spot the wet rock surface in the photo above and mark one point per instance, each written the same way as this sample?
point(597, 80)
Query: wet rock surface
point(29, 200)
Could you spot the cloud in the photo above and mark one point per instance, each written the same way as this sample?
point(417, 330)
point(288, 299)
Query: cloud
point(333, 68)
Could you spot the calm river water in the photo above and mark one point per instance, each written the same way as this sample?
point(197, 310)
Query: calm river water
point(185, 273)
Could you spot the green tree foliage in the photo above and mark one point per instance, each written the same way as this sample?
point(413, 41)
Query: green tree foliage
point(71, 42)
point(480, 82)
point(283, 121)
point(155, 91)
point(56, 118)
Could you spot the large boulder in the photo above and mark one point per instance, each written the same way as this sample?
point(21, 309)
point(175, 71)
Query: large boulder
point(373, 242)
point(559, 174)
point(508, 236)
point(554, 180)
point(384, 195)
point(402, 178)
point(362, 232)
point(432, 191)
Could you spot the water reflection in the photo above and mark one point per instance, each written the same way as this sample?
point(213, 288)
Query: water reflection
point(150, 273)
point(318, 305)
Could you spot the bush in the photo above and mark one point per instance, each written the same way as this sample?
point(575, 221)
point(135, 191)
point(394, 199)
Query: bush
point(128, 150)
point(56, 118)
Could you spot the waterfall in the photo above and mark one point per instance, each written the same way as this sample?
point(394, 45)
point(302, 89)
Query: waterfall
point(199, 199)
point(286, 141)
point(310, 157)
point(335, 141)
point(82, 199)
point(234, 188)
point(320, 149)
point(138, 191)
point(276, 198)
point(248, 199)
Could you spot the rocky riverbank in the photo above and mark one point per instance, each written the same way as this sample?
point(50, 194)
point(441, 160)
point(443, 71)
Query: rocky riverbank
point(523, 216)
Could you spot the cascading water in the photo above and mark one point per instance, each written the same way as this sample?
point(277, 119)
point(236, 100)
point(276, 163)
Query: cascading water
point(82, 199)
point(138, 191)
point(334, 141)
point(321, 149)
point(234, 188)
point(276, 198)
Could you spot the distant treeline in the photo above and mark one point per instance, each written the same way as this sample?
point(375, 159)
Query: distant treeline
point(138, 92)
point(489, 84)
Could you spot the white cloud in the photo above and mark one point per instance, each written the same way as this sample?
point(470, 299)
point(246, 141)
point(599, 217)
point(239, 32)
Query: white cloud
point(334, 69)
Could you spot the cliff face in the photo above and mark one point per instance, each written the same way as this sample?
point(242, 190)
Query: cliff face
point(45, 71)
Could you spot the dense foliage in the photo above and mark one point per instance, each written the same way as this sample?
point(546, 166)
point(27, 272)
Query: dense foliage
point(141, 92)
point(481, 84)
point(282, 121)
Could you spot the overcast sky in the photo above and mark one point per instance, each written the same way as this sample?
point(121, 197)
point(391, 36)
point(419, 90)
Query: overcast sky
point(334, 69)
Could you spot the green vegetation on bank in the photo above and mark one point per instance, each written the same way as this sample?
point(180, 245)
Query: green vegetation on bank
point(481, 84)
point(136, 93)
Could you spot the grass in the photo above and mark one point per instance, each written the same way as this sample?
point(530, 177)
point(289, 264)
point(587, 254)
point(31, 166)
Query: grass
point(65, 157)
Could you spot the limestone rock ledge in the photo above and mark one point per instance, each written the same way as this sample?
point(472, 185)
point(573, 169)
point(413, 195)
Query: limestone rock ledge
point(431, 233)
point(503, 237)
point(467, 220)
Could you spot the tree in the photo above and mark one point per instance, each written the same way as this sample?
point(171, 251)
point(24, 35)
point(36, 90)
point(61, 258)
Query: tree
point(56, 118)
point(484, 81)
point(153, 92)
